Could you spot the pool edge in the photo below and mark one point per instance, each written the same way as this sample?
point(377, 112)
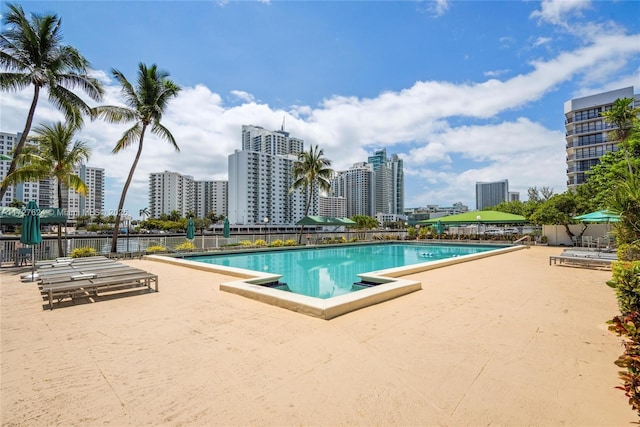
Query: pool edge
point(391, 285)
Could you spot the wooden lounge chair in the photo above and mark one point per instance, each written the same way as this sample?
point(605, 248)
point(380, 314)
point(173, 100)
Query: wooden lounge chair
point(97, 282)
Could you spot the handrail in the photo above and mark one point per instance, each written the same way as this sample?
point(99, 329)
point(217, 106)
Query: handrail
point(520, 240)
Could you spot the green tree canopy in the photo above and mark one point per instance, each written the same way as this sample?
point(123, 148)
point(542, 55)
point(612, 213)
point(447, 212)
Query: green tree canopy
point(32, 54)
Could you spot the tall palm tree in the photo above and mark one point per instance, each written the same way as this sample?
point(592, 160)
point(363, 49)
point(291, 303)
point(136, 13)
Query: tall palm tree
point(310, 172)
point(32, 54)
point(624, 116)
point(146, 102)
point(144, 213)
point(55, 155)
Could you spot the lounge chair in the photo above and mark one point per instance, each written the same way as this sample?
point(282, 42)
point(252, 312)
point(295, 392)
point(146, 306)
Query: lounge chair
point(584, 258)
point(90, 280)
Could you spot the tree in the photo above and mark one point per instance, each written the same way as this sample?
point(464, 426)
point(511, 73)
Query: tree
point(624, 116)
point(15, 203)
point(32, 54)
point(310, 173)
point(55, 155)
point(175, 215)
point(560, 210)
point(146, 102)
point(144, 213)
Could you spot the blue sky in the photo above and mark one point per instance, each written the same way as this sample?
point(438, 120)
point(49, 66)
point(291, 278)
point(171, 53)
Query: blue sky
point(463, 91)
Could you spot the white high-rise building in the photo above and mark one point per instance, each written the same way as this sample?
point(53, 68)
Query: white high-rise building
point(389, 195)
point(260, 178)
point(588, 136)
point(357, 186)
point(7, 143)
point(211, 196)
point(90, 204)
point(331, 206)
point(489, 194)
point(171, 191)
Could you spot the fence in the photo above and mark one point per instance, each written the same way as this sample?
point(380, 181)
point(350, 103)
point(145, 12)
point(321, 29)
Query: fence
point(133, 245)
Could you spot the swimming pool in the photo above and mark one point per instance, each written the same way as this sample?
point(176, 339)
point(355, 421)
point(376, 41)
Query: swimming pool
point(326, 272)
point(389, 283)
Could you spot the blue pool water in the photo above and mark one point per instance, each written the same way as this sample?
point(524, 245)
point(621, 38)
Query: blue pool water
point(329, 272)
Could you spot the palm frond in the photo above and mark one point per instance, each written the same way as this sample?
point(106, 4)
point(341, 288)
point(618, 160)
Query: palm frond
point(129, 137)
point(161, 131)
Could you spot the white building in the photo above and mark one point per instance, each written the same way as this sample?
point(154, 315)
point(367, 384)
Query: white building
point(587, 133)
point(489, 194)
point(389, 176)
point(332, 206)
point(211, 196)
point(260, 176)
point(171, 191)
point(90, 204)
point(357, 186)
point(7, 143)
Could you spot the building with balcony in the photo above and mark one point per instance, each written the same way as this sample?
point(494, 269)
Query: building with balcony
point(587, 134)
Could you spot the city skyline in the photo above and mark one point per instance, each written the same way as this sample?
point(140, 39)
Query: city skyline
point(462, 93)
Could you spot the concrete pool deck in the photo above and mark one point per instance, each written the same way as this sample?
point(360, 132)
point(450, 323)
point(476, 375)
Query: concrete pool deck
point(504, 340)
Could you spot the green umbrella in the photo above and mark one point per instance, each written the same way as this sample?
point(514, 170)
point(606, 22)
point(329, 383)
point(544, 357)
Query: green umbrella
point(5, 157)
point(226, 230)
point(599, 216)
point(31, 233)
point(191, 229)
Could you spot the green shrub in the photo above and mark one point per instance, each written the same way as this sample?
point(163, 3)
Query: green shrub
point(277, 243)
point(290, 242)
point(186, 246)
point(626, 282)
point(260, 243)
point(83, 252)
point(629, 252)
point(245, 242)
point(156, 248)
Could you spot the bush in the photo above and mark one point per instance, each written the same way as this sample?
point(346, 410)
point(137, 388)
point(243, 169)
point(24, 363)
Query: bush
point(245, 243)
point(83, 252)
point(629, 251)
point(156, 248)
point(260, 243)
point(290, 242)
point(626, 282)
point(277, 243)
point(186, 246)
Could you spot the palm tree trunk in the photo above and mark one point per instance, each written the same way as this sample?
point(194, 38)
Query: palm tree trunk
point(22, 141)
point(306, 213)
point(60, 252)
point(114, 239)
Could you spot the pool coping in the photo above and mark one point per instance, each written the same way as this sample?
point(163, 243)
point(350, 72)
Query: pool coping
point(391, 284)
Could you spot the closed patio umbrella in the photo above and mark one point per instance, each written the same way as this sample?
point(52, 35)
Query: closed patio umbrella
point(191, 229)
point(31, 235)
point(226, 229)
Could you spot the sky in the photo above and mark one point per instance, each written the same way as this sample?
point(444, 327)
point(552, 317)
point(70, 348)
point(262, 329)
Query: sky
point(462, 91)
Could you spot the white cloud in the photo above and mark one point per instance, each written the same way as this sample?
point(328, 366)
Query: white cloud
point(557, 11)
point(542, 41)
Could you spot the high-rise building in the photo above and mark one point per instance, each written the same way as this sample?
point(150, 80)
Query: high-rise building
point(7, 143)
point(587, 134)
point(489, 194)
point(389, 175)
point(211, 196)
point(171, 191)
point(335, 207)
point(260, 176)
point(44, 191)
point(90, 204)
point(357, 186)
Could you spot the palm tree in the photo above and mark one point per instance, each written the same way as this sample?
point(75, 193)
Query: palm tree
point(144, 213)
point(146, 102)
point(310, 171)
point(32, 54)
point(56, 155)
point(625, 117)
